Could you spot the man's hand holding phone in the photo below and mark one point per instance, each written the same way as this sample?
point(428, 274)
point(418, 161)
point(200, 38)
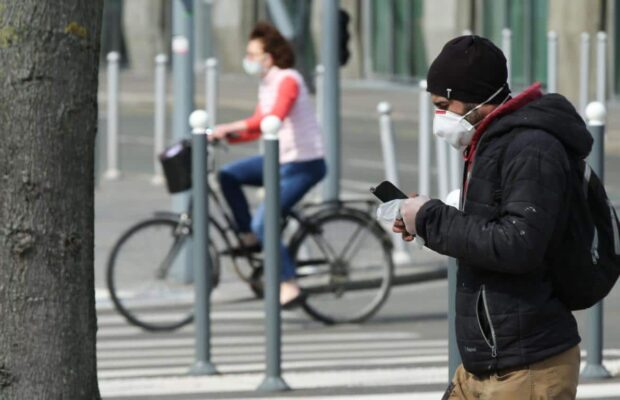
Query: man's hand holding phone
point(409, 207)
point(409, 211)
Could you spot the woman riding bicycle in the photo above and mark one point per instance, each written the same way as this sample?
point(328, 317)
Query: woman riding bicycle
point(282, 93)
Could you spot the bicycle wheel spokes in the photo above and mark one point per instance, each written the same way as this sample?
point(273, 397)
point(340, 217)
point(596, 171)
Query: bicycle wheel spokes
point(148, 281)
point(353, 285)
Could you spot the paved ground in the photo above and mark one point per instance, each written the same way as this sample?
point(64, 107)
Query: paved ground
point(400, 353)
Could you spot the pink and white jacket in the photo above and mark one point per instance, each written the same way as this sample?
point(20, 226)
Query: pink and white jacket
point(283, 93)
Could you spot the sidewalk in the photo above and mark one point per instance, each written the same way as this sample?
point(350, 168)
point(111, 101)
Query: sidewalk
point(401, 353)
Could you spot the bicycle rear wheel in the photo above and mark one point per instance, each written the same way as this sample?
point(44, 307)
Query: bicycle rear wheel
point(344, 264)
point(146, 280)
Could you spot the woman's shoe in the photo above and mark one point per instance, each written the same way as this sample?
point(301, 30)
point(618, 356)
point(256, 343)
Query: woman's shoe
point(294, 302)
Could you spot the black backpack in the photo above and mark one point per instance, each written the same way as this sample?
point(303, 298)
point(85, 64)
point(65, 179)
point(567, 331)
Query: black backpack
point(585, 274)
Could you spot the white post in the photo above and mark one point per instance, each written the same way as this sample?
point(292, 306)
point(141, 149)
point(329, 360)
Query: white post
point(387, 142)
point(584, 72)
point(441, 148)
point(552, 62)
point(456, 160)
point(507, 49)
point(424, 142)
point(318, 83)
point(160, 116)
point(211, 89)
point(601, 52)
point(386, 129)
point(112, 172)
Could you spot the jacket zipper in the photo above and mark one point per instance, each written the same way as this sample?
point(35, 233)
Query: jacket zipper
point(614, 227)
point(492, 345)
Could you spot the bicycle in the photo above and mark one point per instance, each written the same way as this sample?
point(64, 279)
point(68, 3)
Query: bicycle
point(346, 273)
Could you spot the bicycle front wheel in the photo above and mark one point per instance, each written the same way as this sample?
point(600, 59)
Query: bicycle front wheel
point(344, 265)
point(147, 280)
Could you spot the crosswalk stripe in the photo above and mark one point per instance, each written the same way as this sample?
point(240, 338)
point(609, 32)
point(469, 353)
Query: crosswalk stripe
point(255, 367)
point(167, 316)
point(249, 382)
point(307, 340)
point(250, 353)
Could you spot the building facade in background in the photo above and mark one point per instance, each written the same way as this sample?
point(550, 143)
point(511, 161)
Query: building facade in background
point(391, 40)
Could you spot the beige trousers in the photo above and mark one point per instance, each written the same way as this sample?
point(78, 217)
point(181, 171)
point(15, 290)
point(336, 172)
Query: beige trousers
point(555, 378)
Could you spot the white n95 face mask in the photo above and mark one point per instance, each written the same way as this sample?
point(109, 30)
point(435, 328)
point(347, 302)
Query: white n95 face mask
point(252, 68)
point(453, 128)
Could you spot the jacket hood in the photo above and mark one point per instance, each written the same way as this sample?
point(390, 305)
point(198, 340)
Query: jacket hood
point(552, 113)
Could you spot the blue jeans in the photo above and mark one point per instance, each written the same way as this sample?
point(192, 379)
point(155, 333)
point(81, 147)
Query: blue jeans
point(296, 179)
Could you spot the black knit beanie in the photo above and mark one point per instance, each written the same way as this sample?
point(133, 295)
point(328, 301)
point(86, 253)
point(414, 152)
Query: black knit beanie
point(469, 69)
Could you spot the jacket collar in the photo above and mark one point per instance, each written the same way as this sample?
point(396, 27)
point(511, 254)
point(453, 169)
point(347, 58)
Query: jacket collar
point(528, 95)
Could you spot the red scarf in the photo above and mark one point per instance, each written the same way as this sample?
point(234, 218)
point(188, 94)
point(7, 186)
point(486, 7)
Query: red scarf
point(528, 95)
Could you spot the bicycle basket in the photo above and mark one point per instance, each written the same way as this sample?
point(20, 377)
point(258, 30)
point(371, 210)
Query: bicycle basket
point(176, 161)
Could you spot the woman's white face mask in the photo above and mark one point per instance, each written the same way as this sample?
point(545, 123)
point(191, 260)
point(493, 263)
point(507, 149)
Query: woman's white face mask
point(454, 128)
point(252, 67)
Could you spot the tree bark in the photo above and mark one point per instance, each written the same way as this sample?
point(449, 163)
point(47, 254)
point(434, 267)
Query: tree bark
point(49, 53)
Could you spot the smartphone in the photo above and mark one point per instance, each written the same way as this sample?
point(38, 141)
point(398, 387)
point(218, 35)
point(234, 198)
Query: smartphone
point(386, 191)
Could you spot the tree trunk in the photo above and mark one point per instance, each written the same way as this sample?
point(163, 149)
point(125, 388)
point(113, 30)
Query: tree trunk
point(49, 53)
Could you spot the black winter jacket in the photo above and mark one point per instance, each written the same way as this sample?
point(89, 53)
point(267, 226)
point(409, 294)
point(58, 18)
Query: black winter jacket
point(511, 224)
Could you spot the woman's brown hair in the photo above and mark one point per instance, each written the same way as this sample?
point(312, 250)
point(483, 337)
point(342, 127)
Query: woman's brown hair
point(275, 44)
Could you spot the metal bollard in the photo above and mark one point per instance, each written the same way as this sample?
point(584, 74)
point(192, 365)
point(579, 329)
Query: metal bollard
point(507, 49)
point(202, 261)
point(424, 141)
point(594, 369)
point(601, 55)
point(391, 170)
point(160, 116)
point(273, 381)
point(211, 89)
point(112, 172)
point(552, 62)
point(331, 99)
point(584, 72)
point(182, 46)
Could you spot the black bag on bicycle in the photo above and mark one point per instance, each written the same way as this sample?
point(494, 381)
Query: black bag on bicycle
point(176, 161)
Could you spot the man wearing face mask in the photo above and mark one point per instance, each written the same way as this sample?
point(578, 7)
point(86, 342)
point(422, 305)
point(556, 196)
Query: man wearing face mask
point(282, 93)
point(515, 337)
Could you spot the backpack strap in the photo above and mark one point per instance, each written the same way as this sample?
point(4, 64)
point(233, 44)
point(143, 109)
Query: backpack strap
point(587, 174)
